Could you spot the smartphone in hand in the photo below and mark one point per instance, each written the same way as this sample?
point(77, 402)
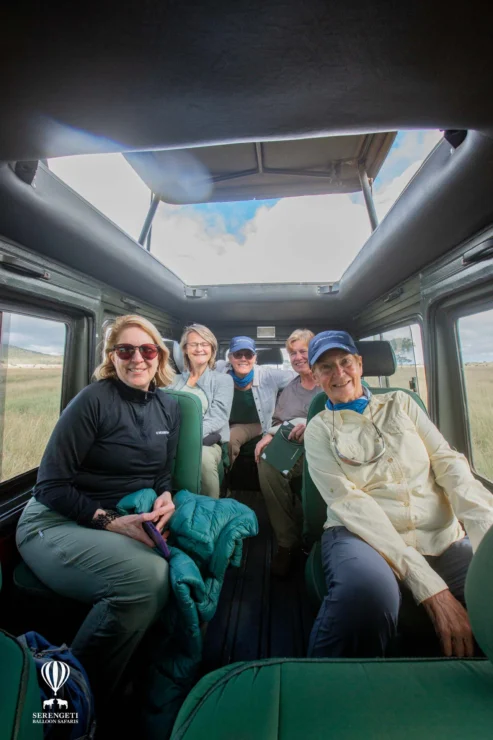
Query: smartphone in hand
point(157, 538)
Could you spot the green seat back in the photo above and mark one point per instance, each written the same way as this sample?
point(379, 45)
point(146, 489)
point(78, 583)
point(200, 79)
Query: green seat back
point(188, 460)
point(314, 507)
point(340, 699)
point(479, 594)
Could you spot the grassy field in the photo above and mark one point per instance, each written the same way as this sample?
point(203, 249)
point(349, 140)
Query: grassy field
point(31, 409)
point(32, 405)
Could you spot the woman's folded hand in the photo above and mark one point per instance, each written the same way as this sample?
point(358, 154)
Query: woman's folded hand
point(131, 525)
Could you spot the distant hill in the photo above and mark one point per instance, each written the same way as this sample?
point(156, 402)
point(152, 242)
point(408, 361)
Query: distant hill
point(19, 356)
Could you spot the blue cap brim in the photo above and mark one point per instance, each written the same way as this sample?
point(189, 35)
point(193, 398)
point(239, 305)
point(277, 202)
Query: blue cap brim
point(326, 348)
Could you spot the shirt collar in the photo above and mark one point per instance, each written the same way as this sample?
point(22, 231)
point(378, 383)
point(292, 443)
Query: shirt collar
point(134, 394)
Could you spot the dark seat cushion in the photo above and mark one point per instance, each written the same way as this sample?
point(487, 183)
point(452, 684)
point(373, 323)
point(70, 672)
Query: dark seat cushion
point(341, 699)
point(19, 692)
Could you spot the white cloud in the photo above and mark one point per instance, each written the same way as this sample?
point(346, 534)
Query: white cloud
point(302, 239)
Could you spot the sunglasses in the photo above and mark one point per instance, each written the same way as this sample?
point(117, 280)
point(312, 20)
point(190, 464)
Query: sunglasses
point(147, 351)
point(246, 353)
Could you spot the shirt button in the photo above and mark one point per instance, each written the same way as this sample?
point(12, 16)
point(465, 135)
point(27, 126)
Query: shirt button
point(390, 460)
point(406, 503)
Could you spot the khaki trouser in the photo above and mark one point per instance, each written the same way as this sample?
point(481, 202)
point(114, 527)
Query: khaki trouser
point(125, 582)
point(211, 458)
point(240, 434)
point(283, 506)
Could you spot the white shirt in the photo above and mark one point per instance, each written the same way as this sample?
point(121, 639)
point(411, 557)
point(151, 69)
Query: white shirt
point(407, 504)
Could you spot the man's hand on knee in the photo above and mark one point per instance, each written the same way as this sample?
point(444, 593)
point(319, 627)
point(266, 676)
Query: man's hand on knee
point(451, 624)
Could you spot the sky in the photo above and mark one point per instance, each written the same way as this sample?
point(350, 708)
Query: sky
point(301, 239)
point(37, 335)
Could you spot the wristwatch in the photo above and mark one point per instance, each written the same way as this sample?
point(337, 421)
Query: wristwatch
point(101, 521)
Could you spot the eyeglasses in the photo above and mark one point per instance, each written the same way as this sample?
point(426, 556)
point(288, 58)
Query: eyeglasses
point(126, 351)
point(246, 353)
point(197, 345)
point(380, 444)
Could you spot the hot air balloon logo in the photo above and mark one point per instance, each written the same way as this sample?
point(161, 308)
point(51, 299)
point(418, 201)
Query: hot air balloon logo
point(55, 673)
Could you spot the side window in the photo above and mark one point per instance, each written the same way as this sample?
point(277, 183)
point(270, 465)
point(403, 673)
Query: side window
point(408, 347)
point(31, 364)
point(475, 335)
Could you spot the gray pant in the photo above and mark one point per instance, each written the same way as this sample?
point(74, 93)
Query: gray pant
point(211, 459)
point(125, 580)
point(283, 506)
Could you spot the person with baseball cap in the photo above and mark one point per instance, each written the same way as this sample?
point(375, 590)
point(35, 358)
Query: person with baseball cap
point(396, 496)
point(255, 392)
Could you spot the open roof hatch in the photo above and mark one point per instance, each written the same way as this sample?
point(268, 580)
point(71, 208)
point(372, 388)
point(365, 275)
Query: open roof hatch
point(261, 170)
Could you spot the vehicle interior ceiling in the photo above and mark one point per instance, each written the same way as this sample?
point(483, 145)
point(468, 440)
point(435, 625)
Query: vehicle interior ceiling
point(265, 111)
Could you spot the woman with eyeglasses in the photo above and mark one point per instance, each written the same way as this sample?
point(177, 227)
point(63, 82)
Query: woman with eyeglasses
point(255, 393)
point(117, 436)
point(214, 391)
point(396, 493)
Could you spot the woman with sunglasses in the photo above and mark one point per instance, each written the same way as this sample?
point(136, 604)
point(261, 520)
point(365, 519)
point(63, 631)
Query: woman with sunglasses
point(395, 492)
point(117, 436)
point(215, 392)
point(255, 393)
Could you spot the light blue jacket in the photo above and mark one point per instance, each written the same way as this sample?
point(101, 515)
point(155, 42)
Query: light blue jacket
point(219, 390)
point(267, 382)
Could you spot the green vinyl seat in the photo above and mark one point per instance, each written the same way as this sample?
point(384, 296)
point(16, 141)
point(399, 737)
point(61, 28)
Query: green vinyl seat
point(186, 474)
point(374, 699)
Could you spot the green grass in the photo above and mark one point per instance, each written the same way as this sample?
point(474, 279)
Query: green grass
point(32, 406)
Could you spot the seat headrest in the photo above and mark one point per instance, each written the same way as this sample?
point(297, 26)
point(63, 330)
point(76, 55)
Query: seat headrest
point(378, 358)
point(269, 356)
point(175, 355)
point(479, 594)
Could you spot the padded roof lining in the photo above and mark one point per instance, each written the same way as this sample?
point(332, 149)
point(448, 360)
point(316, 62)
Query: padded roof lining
point(272, 169)
point(172, 75)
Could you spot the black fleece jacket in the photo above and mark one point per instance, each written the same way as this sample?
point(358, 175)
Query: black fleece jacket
point(110, 440)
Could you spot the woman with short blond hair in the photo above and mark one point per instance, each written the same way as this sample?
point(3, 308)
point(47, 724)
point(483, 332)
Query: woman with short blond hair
point(215, 393)
point(284, 506)
point(117, 436)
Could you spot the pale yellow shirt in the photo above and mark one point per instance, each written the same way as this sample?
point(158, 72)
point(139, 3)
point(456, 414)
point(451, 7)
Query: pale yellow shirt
point(407, 504)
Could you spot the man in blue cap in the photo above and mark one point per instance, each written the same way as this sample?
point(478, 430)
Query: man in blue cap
point(255, 394)
point(396, 495)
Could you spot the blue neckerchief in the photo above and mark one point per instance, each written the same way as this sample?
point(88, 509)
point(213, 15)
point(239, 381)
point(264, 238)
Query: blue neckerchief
point(358, 405)
point(242, 382)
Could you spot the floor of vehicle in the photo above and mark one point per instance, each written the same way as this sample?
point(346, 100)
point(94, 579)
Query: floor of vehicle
point(258, 616)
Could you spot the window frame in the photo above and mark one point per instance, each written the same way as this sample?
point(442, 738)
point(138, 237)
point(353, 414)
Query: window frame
point(15, 491)
point(445, 348)
point(460, 312)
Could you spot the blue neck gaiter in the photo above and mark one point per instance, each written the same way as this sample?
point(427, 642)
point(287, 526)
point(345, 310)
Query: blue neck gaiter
point(242, 382)
point(358, 405)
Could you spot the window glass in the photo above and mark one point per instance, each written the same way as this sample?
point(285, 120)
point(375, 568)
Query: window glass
point(31, 365)
point(408, 347)
point(108, 183)
point(292, 239)
point(476, 346)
